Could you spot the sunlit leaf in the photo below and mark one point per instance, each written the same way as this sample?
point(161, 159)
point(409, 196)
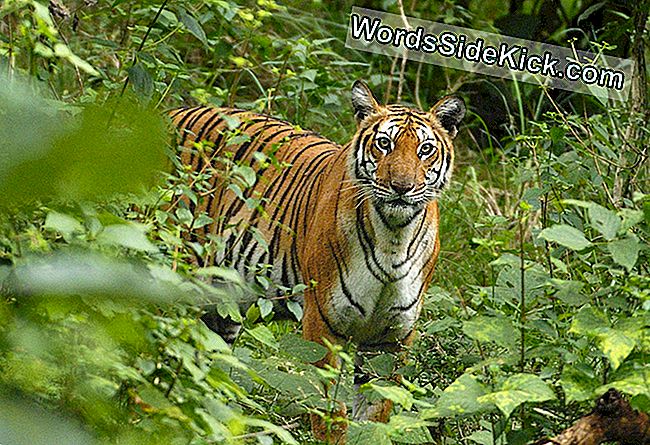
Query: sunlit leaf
point(264, 335)
point(486, 329)
point(304, 350)
point(363, 433)
point(604, 220)
point(566, 236)
point(518, 389)
point(131, 236)
point(462, 397)
point(625, 251)
point(616, 346)
point(396, 394)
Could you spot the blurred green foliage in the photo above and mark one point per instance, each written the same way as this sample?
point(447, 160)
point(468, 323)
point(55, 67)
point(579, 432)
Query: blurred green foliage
point(541, 298)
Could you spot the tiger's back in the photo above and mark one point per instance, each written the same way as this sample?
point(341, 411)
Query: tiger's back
point(286, 188)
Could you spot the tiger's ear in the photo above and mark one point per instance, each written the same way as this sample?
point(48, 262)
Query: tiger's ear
point(449, 110)
point(363, 101)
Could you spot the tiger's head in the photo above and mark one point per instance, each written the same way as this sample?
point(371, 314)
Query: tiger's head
point(403, 157)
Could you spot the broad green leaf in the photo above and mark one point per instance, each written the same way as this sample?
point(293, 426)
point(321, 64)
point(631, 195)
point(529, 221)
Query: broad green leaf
point(396, 394)
point(616, 346)
point(568, 291)
point(192, 25)
point(264, 335)
point(63, 51)
point(365, 433)
point(460, 398)
point(66, 273)
point(566, 236)
point(579, 384)
point(625, 251)
point(634, 383)
point(131, 236)
point(282, 434)
point(304, 350)
point(499, 330)
point(589, 321)
point(225, 273)
point(104, 149)
point(64, 224)
point(404, 428)
point(482, 437)
point(518, 389)
point(295, 308)
point(141, 80)
point(604, 220)
point(22, 423)
point(248, 174)
point(299, 386)
point(265, 305)
point(631, 218)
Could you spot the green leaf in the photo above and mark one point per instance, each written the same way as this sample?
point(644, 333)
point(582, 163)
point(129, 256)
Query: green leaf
point(303, 350)
point(631, 218)
point(568, 291)
point(45, 427)
point(589, 321)
point(395, 394)
point(225, 273)
point(364, 433)
point(282, 434)
point(482, 437)
point(604, 220)
point(518, 389)
point(616, 346)
point(625, 251)
point(460, 398)
point(633, 383)
point(64, 224)
point(295, 308)
point(579, 383)
point(131, 236)
point(264, 335)
point(405, 428)
point(248, 174)
point(141, 80)
point(566, 236)
point(66, 273)
point(265, 305)
point(491, 329)
point(104, 149)
point(192, 25)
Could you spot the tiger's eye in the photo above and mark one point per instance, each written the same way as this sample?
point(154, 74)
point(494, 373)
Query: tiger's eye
point(426, 149)
point(383, 143)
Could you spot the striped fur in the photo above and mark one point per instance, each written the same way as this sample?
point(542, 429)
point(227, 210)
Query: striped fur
point(361, 220)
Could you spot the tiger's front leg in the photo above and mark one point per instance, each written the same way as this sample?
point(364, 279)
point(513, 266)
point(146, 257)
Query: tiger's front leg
point(317, 328)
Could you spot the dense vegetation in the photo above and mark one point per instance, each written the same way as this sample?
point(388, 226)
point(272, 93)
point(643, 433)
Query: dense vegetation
point(542, 294)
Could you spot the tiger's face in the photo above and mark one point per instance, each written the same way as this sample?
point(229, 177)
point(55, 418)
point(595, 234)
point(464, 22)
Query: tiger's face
point(403, 157)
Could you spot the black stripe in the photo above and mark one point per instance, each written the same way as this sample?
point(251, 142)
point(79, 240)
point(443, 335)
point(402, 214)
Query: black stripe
point(327, 321)
point(176, 112)
point(193, 122)
point(344, 287)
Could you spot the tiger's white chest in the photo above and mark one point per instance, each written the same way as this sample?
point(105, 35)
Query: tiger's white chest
point(376, 298)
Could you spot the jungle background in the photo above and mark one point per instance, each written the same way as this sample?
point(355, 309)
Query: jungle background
point(540, 301)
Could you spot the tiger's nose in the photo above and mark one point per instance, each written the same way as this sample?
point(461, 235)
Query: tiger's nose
point(402, 187)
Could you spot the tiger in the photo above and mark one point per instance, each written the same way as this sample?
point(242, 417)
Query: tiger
point(358, 221)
